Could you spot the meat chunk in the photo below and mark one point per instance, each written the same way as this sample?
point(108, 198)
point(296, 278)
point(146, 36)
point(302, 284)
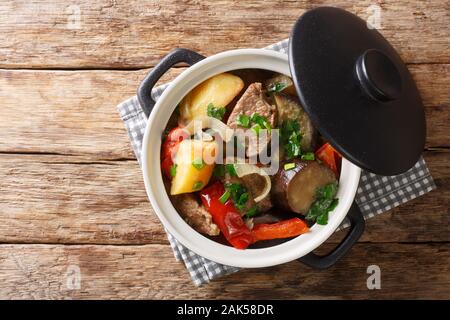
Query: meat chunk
point(193, 212)
point(227, 179)
point(253, 101)
point(254, 184)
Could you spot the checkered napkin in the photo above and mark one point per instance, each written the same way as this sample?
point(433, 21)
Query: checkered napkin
point(376, 194)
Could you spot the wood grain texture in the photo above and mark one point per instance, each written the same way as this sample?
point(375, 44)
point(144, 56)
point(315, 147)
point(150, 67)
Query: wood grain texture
point(71, 192)
point(135, 272)
point(74, 112)
point(136, 34)
point(61, 199)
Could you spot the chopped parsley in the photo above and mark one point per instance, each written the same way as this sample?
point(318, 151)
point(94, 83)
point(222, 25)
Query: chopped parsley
point(231, 169)
point(216, 112)
point(253, 211)
point(239, 194)
point(261, 121)
point(173, 170)
point(256, 128)
point(324, 203)
point(221, 169)
point(198, 163)
point(328, 191)
point(291, 138)
point(308, 156)
point(198, 185)
point(226, 195)
point(277, 87)
point(256, 121)
point(243, 120)
point(289, 166)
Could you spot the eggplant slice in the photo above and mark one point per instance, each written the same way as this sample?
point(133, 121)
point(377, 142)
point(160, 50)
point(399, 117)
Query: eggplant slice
point(289, 108)
point(285, 81)
point(295, 189)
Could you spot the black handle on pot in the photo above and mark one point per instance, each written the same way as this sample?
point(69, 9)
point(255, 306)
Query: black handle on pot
point(356, 229)
point(144, 92)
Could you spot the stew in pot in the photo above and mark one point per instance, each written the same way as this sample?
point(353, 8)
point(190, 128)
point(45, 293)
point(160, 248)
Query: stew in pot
point(242, 162)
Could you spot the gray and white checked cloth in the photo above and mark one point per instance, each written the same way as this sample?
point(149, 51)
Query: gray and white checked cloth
point(376, 194)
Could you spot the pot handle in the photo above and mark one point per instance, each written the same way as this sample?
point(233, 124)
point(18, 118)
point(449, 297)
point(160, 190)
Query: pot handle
point(144, 93)
point(356, 229)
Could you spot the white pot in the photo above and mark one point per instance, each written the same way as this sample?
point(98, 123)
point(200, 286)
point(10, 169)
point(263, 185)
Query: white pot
point(249, 258)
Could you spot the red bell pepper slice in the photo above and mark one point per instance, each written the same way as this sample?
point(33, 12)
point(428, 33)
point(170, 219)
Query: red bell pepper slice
point(329, 157)
point(279, 230)
point(226, 216)
point(170, 148)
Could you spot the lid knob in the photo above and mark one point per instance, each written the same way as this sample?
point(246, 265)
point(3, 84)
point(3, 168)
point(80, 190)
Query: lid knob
point(378, 76)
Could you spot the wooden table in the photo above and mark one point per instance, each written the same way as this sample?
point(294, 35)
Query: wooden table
point(72, 197)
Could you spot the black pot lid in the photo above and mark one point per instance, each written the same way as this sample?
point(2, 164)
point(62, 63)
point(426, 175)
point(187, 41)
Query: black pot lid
point(357, 91)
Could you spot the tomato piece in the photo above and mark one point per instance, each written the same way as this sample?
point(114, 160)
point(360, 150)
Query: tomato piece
point(170, 147)
point(330, 157)
point(166, 165)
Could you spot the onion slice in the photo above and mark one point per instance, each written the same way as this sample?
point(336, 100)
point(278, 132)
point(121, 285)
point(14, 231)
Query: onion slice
point(243, 169)
point(249, 223)
point(225, 132)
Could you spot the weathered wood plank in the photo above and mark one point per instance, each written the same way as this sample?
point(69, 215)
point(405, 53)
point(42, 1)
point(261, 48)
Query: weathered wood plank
point(53, 199)
point(62, 199)
point(68, 112)
point(132, 34)
point(135, 272)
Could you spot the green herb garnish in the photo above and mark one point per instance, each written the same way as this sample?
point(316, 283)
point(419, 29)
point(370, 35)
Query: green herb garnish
point(197, 185)
point(277, 87)
point(308, 156)
point(198, 163)
point(243, 120)
point(291, 138)
point(226, 195)
point(216, 112)
point(231, 169)
point(253, 211)
point(322, 219)
point(289, 166)
point(239, 194)
point(256, 128)
point(327, 192)
point(325, 202)
point(261, 121)
point(243, 198)
point(173, 170)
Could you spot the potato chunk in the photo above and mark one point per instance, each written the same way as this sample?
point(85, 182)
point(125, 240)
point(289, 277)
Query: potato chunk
point(219, 90)
point(194, 166)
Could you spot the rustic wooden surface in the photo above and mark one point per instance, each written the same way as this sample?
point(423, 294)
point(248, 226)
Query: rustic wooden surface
point(71, 193)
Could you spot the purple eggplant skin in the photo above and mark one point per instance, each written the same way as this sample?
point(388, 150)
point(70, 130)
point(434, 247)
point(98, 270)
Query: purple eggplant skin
point(295, 189)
